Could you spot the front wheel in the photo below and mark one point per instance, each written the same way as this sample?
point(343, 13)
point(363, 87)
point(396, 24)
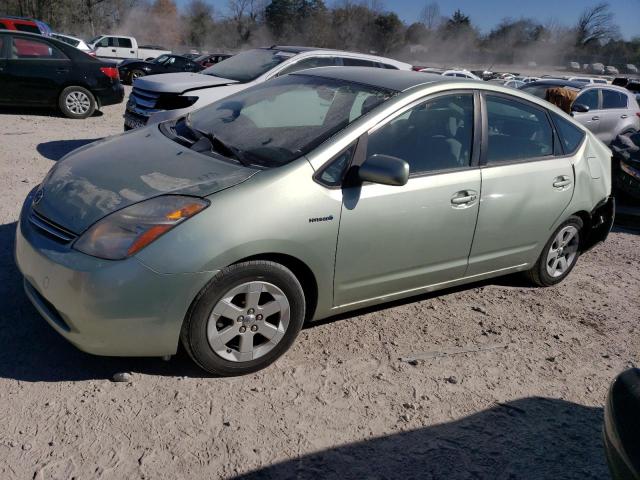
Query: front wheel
point(77, 102)
point(244, 319)
point(559, 255)
point(135, 74)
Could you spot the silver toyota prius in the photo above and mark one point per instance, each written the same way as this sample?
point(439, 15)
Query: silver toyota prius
point(309, 195)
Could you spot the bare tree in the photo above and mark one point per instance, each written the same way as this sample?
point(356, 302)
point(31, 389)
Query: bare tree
point(430, 15)
point(596, 24)
point(245, 15)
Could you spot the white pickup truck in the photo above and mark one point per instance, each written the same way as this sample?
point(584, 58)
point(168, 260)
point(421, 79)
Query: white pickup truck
point(119, 47)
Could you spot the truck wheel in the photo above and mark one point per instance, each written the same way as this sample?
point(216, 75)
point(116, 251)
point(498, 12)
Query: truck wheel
point(244, 319)
point(77, 102)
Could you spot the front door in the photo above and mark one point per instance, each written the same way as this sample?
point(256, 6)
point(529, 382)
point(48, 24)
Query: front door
point(395, 239)
point(525, 188)
point(591, 119)
point(37, 69)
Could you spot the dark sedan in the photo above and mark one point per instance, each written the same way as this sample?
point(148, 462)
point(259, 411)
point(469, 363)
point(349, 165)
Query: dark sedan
point(132, 69)
point(41, 71)
point(211, 58)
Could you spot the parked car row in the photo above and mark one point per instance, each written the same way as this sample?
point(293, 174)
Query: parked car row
point(38, 70)
point(159, 98)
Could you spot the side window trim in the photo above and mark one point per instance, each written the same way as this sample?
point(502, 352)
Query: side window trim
point(476, 138)
point(485, 132)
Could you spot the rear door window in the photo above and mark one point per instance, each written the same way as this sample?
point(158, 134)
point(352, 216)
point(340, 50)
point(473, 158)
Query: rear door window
point(613, 99)
point(27, 48)
point(517, 131)
point(124, 42)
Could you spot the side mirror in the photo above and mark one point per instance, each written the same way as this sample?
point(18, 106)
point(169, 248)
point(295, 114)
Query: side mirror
point(384, 169)
point(579, 107)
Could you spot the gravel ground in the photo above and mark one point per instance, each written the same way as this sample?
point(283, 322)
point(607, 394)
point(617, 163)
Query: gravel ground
point(496, 380)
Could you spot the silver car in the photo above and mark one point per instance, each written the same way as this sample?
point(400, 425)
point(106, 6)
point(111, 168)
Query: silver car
point(606, 110)
point(309, 195)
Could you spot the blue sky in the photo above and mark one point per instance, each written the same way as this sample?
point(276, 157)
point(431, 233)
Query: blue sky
point(487, 13)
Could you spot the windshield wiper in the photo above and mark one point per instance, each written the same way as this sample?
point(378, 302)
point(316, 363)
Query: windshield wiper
point(217, 144)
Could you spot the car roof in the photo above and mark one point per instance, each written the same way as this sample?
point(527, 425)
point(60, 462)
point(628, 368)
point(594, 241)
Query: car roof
point(398, 80)
point(606, 86)
point(556, 82)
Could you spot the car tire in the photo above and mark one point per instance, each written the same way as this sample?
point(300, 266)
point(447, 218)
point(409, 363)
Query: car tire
point(135, 74)
point(550, 269)
point(76, 102)
point(224, 331)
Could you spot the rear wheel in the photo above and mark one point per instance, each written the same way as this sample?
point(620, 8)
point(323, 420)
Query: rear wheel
point(559, 255)
point(77, 102)
point(246, 318)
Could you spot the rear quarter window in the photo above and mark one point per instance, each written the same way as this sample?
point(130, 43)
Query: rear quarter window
point(570, 136)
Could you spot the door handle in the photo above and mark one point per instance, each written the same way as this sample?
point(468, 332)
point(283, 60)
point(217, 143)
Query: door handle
point(464, 198)
point(624, 116)
point(561, 181)
point(62, 70)
point(113, 49)
point(595, 118)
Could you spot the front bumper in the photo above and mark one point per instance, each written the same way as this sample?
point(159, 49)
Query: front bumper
point(116, 308)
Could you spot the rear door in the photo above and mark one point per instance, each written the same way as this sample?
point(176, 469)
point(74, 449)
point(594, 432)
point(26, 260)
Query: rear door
point(124, 48)
point(526, 185)
point(591, 119)
point(395, 239)
point(614, 114)
point(37, 70)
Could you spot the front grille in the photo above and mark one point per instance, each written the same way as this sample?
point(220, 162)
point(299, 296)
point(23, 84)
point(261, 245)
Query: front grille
point(51, 229)
point(145, 100)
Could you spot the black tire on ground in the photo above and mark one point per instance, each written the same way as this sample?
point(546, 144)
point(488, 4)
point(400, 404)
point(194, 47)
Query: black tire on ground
point(76, 102)
point(538, 274)
point(194, 336)
point(135, 74)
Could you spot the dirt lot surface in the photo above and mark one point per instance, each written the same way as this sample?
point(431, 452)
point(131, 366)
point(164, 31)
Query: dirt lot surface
point(350, 400)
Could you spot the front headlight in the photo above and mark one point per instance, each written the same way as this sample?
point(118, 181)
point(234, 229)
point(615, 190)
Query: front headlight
point(127, 231)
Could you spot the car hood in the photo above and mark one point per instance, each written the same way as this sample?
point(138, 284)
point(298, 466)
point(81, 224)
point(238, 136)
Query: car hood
point(179, 82)
point(108, 175)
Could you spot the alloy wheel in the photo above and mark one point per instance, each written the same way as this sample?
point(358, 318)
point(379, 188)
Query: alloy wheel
point(563, 251)
point(248, 321)
point(78, 103)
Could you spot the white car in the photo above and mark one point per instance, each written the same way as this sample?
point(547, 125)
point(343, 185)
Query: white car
point(156, 98)
point(73, 41)
point(587, 80)
point(461, 74)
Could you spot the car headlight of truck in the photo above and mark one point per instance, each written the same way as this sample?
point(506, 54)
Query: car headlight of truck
point(125, 232)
